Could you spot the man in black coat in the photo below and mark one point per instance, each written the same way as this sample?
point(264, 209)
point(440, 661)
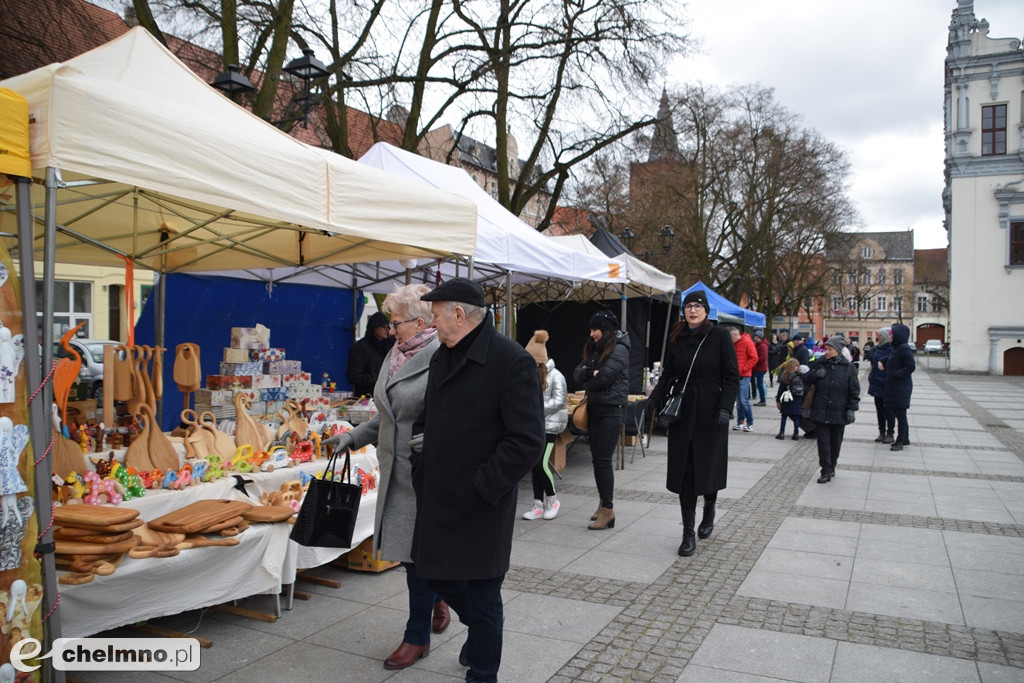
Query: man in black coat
point(367, 355)
point(800, 351)
point(483, 432)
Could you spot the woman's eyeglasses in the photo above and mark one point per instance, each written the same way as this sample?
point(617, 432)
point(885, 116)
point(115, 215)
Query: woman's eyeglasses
point(693, 307)
point(395, 323)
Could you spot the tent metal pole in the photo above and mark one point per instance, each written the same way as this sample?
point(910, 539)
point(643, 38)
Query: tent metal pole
point(507, 321)
point(39, 410)
point(622, 312)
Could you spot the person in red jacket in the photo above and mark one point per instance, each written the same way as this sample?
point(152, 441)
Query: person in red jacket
point(746, 358)
point(761, 344)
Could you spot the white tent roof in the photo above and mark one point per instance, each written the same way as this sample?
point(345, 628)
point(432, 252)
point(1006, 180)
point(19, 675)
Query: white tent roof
point(161, 167)
point(644, 279)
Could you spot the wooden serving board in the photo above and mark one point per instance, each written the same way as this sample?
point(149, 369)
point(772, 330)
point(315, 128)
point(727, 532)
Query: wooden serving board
point(90, 536)
point(161, 450)
point(92, 515)
point(269, 513)
point(201, 541)
point(152, 537)
point(105, 529)
point(81, 548)
point(187, 373)
point(67, 456)
point(220, 526)
point(199, 515)
point(137, 455)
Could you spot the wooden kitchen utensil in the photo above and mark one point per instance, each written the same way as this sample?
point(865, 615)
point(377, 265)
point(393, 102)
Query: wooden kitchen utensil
point(227, 524)
point(194, 541)
point(67, 456)
point(152, 537)
point(91, 536)
point(145, 357)
point(291, 420)
point(247, 430)
point(108, 385)
point(199, 515)
point(269, 513)
point(122, 372)
point(187, 373)
point(158, 371)
point(206, 442)
point(66, 547)
point(137, 455)
point(161, 450)
point(92, 515)
point(223, 444)
point(103, 528)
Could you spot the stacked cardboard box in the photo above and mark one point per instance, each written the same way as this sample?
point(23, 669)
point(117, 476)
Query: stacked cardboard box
point(262, 372)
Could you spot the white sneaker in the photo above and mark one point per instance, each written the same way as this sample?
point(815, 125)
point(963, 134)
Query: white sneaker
point(748, 428)
point(535, 512)
point(551, 506)
point(737, 427)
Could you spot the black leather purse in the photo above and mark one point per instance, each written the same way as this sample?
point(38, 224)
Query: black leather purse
point(672, 411)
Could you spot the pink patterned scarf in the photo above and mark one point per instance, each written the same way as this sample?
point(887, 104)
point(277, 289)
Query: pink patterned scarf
point(403, 351)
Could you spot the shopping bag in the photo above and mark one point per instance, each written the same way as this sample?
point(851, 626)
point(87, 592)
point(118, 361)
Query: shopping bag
point(327, 517)
point(580, 417)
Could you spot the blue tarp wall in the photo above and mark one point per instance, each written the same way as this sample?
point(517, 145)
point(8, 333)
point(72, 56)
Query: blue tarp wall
point(312, 324)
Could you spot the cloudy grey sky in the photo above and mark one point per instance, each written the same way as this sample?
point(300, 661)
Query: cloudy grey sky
point(867, 75)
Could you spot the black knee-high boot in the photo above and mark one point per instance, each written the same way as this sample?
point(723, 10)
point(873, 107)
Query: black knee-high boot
point(707, 522)
point(689, 544)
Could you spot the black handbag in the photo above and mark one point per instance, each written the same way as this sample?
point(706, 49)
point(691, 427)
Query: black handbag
point(672, 411)
point(327, 517)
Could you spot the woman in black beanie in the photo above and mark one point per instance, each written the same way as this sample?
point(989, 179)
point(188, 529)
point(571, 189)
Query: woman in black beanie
point(698, 443)
point(604, 373)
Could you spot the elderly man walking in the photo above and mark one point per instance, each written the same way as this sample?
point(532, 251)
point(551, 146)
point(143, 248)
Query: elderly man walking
point(483, 432)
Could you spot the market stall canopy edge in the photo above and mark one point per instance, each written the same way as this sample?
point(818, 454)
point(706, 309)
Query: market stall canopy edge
point(157, 165)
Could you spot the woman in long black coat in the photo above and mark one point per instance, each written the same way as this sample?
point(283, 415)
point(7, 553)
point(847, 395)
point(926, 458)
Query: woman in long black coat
point(836, 399)
point(698, 443)
point(899, 384)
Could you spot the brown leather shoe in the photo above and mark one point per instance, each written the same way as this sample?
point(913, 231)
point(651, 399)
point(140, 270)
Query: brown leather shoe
point(441, 617)
point(406, 655)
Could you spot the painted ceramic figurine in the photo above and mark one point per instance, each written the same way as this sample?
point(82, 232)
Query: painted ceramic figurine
point(13, 440)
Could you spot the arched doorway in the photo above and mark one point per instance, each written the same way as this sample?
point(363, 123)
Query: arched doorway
point(929, 331)
point(1013, 362)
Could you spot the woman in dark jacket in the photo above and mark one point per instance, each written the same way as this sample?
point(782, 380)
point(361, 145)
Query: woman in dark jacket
point(899, 384)
point(836, 398)
point(604, 374)
point(698, 443)
point(877, 357)
point(776, 355)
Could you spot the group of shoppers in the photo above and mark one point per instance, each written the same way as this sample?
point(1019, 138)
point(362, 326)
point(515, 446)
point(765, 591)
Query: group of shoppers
point(891, 385)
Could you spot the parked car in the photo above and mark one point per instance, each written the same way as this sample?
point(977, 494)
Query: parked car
point(933, 346)
point(91, 374)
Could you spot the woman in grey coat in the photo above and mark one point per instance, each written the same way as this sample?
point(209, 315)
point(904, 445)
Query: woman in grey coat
point(399, 397)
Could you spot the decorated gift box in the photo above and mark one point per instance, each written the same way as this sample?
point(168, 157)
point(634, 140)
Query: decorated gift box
point(266, 381)
point(295, 379)
point(236, 355)
point(214, 397)
point(251, 394)
point(281, 367)
point(266, 355)
point(259, 408)
point(248, 368)
point(250, 337)
point(228, 382)
point(274, 394)
point(300, 391)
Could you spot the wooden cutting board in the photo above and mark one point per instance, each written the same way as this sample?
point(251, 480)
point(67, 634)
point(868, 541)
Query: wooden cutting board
point(187, 373)
point(122, 372)
point(67, 456)
point(105, 529)
point(199, 515)
point(65, 547)
point(202, 541)
point(161, 450)
point(220, 526)
point(137, 455)
point(152, 537)
point(269, 513)
point(90, 536)
point(223, 444)
point(92, 515)
point(247, 430)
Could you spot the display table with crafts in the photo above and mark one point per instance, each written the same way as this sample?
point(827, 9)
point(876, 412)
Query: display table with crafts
point(264, 561)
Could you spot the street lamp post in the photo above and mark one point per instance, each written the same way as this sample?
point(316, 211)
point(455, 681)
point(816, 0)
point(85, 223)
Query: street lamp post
point(666, 236)
point(306, 68)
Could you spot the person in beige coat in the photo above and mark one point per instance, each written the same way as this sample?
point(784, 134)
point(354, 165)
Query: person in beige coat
point(399, 397)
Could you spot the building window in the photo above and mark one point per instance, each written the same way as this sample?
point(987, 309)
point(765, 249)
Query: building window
point(865, 304)
point(936, 305)
point(851, 278)
point(880, 278)
point(1017, 244)
point(865, 277)
point(851, 303)
point(882, 303)
point(993, 130)
point(72, 304)
point(837, 302)
point(897, 276)
point(867, 252)
point(922, 303)
point(837, 278)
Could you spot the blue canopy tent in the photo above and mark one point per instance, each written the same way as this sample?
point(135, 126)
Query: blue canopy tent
point(725, 311)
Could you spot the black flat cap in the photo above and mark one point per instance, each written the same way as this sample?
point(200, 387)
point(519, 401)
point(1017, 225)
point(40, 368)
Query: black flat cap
point(457, 289)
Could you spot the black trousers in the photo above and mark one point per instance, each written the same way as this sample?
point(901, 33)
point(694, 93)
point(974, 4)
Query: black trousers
point(477, 602)
point(886, 422)
point(830, 440)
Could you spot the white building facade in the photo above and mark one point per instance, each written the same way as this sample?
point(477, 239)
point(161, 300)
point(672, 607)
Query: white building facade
point(984, 195)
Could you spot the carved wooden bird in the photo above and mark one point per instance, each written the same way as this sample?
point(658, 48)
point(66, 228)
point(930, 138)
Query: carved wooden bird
point(66, 372)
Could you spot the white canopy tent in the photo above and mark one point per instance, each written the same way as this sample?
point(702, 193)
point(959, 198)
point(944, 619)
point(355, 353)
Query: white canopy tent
point(151, 162)
point(644, 279)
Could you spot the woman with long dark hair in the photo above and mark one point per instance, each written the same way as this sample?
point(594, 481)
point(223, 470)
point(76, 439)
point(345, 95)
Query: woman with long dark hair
point(700, 364)
point(604, 374)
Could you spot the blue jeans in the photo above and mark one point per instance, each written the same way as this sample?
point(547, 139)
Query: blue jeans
point(759, 384)
point(744, 413)
point(477, 602)
point(421, 608)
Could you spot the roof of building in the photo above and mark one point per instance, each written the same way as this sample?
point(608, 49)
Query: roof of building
point(664, 142)
point(931, 266)
point(893, 246)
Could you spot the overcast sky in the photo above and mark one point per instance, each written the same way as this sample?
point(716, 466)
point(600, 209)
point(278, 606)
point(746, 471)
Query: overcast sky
point(867, 75)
